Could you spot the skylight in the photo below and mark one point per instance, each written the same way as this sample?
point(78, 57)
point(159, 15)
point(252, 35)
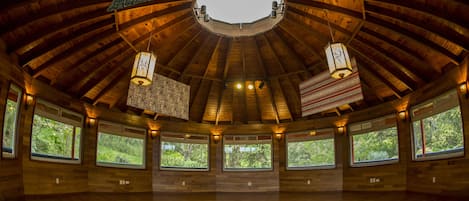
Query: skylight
point(237, 11)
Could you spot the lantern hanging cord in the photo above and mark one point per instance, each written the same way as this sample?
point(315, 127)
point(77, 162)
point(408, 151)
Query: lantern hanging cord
point(329, 25)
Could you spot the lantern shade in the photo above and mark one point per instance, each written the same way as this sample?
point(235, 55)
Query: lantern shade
point(338, 60)
point(143, 68)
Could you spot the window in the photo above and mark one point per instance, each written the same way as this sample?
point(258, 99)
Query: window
point(305, 151)
point(437, 128)
point(247, 152)
point(374, 142)
point(229, 10)
point(120, 146)
point(10, 121)
point(56, 134)
point(184, 152)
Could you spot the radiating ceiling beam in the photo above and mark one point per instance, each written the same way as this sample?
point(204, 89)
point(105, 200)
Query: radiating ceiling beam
point(121, 76)
point(225, 75)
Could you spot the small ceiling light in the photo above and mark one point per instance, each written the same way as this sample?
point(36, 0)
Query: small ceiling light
point(338, 59)
point(250, 87)
point(239, 86)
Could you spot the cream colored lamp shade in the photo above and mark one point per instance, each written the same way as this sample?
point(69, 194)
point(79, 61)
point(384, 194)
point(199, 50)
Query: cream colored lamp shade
point(338, 60)
point(143, 68)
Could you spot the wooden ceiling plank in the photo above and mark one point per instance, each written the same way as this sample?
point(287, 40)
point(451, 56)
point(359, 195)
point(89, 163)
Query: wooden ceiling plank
point(225, 75)
point(258, 104)
point(405, 74)
point(110, 33)
point(217, 49)
point(70, 69)
point(52, 43)
point(367, 87)
point(303, 43)
point(54, 9)
point(111, 85)
point(370, 19)
point(414, 37)
point(273, 103)
point(179, 52)
point(279, 63)
point(57, 28)
point(293, 53)
point(91, 83)
point(319, 20)
point(430, 10)
point(243, 93)
point(443, 32)
point(196, 56)
point(70, 52)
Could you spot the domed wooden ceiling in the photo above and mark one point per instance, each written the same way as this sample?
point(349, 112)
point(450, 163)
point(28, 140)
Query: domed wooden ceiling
point(80, 48)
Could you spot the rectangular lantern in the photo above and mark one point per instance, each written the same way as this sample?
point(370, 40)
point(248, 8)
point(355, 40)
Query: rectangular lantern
point(143, 68)
point(338, 60)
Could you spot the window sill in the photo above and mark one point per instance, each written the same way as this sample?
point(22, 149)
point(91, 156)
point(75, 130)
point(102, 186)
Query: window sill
point(375, 163)
point(247, 170)
point(177, 169)
point(55, 160)
point(8, 156)
point(322, 167)
point(121, 166)
point(440, 156)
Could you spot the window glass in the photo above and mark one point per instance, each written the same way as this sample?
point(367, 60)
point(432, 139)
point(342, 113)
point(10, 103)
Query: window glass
point(56, 134)
point(120, 146)
point(375, 141)
point(437, 128)
point(247, 152)
point(307, 151)
point(184, 151)
point(10, 121)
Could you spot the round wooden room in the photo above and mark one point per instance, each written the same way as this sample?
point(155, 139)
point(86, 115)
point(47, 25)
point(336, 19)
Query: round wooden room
point(227, 100)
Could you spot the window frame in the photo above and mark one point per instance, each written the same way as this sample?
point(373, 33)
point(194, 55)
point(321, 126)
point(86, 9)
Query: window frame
point(14, 152)
point(321, 134)
point(184, 169)
point(249, 169)
point(367, 127)
point(52, 159)
point(122, 127)
point(443, 154)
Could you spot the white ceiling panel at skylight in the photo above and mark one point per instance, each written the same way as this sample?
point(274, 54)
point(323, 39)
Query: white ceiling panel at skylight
point(237, 11)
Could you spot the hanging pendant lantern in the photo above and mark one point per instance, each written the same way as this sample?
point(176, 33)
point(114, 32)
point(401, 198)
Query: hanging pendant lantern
point(338, 60)
point(143, 68)
point(337, 56)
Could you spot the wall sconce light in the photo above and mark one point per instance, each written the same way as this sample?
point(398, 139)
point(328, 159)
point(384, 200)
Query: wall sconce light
point(463, 87)
point(187, 136)
point(216, 139)
point(312, 132)
point(402, 115)
point(29, 100)
point(278, 136)
point(154, 133)
point(341, 129)
point(91, 122)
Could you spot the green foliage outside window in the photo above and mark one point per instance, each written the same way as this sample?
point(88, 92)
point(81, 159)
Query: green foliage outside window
point(248, 156)
point(443, 132)
point(119, 149)
point(54, 138)
point(184, 155)
point(375, 146)
point(311, 153)
point(9, 126)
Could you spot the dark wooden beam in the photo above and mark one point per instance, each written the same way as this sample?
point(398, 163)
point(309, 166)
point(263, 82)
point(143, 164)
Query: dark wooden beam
point(47, 46)
point(315, 18)
point(188, 43)
point(279, 63)
point(328, 6)
point(225, 75)
point(53, 9)
point(243, 93)
point(444, 32)
point(58, 28)
point(120, 77)
point(272, 98)
point(197, 55)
